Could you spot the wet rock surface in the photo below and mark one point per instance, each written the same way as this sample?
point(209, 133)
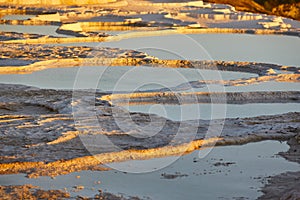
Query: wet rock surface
point(30, 192)
point(35, 53)
point(49, 143)
point(286, 185)
point(49, 132)
point(34, 193)
point(5, 36)
point(173, 176)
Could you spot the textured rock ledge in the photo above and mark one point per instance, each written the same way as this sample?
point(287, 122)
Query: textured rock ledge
point(39, 136)
point(144, 33)
point(202, 97)
point(40, 57)
point(34, 193)
point(130, 14)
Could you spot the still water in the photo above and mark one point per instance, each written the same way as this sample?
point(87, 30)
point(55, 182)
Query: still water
point(202, 178)
point(275, 49)
point(209, 111)
point(33, 29)
point(118, 78)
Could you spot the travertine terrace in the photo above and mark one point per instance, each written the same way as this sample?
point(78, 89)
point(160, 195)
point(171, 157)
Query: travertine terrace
point(46, 132)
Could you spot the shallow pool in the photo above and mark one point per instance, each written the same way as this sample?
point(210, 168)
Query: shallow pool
point(17, 17)
point(212, 111)
point(275, 49)
point(34, 29)
point(245, 173)
point(118, 78)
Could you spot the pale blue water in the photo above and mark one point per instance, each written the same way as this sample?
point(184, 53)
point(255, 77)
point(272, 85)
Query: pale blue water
point(34, 29)
point(209, 111)
point(277, 49)
point(264, 86)
point(251, 164)
point(118, 78)
point(17, 17)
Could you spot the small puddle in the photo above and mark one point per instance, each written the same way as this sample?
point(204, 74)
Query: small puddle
point(33, 29)
point(17, 17)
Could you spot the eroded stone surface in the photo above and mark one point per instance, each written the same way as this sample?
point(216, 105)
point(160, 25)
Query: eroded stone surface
point(30, 192)
point(51, 143)
point(37, 129)
point(34, 193)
